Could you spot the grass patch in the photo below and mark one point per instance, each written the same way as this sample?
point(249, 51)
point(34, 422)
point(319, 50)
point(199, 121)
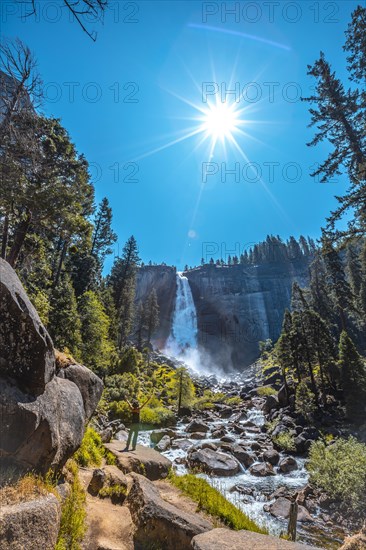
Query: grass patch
point(73, 515)
point(113, 492)
point(213, 502)
point(29, 487)
point(92, 451)
point(263, 391)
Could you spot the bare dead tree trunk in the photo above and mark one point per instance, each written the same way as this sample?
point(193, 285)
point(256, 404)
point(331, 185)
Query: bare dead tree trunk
point(5, 235)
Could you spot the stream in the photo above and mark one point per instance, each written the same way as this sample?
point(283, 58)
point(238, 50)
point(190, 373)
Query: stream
point(250, 493)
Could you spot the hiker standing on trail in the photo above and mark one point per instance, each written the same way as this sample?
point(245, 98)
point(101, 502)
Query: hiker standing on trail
point(135, 426)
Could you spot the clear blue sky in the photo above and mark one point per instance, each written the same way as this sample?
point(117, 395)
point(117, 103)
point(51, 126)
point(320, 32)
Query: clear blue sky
point(158, 52)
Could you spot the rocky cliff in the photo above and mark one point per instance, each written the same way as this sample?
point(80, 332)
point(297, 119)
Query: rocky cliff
point(237, 305)
point(163, 279)
point(43, 407)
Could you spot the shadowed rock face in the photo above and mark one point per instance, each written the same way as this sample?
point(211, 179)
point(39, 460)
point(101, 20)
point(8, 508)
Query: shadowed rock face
point(237, 306)
point(43, 415)
point(26, 350)
point(163, 279)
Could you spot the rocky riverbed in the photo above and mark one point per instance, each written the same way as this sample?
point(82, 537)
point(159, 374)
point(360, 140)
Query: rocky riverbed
point(230, 447)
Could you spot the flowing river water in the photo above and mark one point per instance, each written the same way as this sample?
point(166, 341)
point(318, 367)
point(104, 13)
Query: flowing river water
point(246, 491)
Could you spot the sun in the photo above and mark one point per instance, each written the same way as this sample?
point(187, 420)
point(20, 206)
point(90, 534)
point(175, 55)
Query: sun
point(220, 121)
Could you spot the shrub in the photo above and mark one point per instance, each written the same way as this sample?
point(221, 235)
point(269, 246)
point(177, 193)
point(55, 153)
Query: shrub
point(73, 527)
point(213, 502)
point(232, 401)
point(305, 400)
point(340, 470)
point(263, 391)
point(120, 410)
point(90, 452)
point(285, 440)
point(158, 416)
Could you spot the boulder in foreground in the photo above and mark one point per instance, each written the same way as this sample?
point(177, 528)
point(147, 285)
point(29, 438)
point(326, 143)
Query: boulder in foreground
point(159, 521)
point(32, 524)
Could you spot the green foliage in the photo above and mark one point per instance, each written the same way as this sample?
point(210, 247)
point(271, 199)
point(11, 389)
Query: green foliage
point(120, 386)
point(232, 401)
point(305, 400)
point(90, 452)
point(110, 458)
point(353, 372)
point(73, 514)
point(130, 361)
point(285, 440)
point(182, 387)
point(157, 416)
point(212, 501)
point(266, 390)
point(40, 300)
point(65, 325)
point(120, 410)
point(340, 470)
point(96, 348)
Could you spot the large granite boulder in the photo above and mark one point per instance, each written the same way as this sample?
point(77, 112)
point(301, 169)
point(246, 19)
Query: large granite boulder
point(31, 524)
point(158, 522)
point(26, 350)
point(44, 431)
point(43, 416)
point(143, 460)
point(213, 462)
point(89, 385)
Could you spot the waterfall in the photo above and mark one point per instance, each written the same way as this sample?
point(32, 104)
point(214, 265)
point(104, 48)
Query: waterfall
point(183, 336)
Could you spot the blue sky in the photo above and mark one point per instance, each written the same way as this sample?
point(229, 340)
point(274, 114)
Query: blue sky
point(127, 96)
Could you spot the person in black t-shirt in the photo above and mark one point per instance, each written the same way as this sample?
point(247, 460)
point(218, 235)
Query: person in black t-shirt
point(135, 426)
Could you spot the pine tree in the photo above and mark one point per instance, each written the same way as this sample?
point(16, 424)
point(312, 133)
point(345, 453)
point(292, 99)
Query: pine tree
point(122, 280)
point(140, 325)
point(103, 235)
point(97, 351)
point(64, 321)
point(353, 372)
point(339, 115)
point(337, 284)
point(362, 295)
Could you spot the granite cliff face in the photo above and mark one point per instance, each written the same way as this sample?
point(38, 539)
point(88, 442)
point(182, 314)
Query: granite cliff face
point(237, 306)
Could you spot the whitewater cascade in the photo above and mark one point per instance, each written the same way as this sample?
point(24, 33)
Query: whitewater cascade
point(183, 335)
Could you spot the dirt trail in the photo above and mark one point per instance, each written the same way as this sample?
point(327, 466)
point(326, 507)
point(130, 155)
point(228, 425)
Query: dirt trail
point(110, 525)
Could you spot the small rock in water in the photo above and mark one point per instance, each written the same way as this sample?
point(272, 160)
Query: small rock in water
point(262, 470)
point(271, 456)
point(196, 426)
point(287, 465)
point(228, 439)
point(197, 435)
point(163, 444)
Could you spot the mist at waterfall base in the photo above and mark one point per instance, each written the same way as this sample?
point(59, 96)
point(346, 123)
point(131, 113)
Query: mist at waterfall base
point(182, 343)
